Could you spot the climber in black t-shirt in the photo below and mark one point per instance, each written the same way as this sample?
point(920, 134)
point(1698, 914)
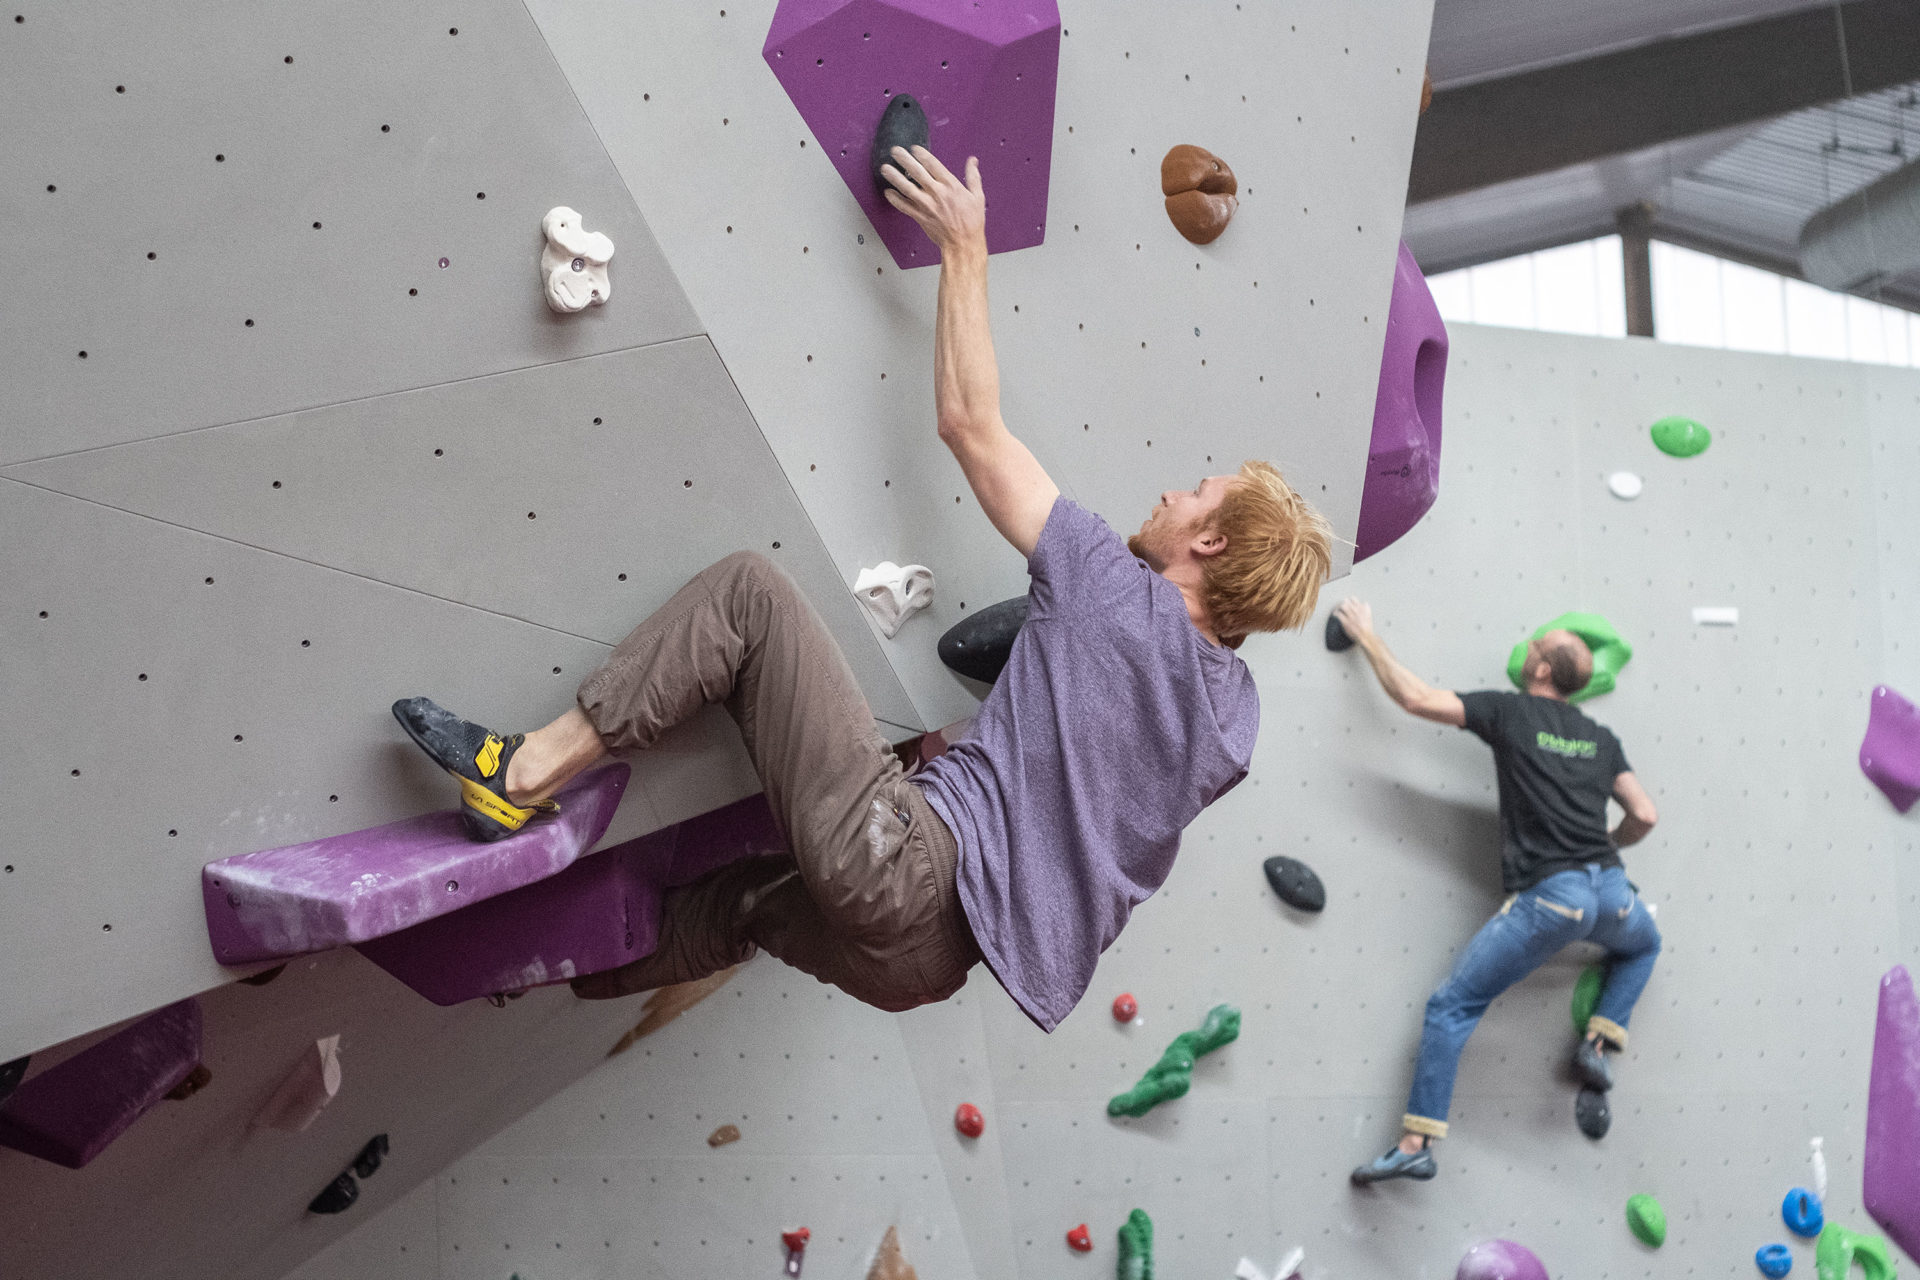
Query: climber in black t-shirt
point(1559, 865)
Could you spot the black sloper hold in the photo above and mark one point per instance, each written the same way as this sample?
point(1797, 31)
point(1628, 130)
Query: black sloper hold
point(339, 1195)
point(978, 647)
point(902, 124)
point(10, 1075)
point(1296, 883)
point(367, 1163)
point(1592, 1113)
point(1337, 638)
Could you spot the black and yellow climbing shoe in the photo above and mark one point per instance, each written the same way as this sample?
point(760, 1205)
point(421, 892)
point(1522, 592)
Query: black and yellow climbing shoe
point(477, 758)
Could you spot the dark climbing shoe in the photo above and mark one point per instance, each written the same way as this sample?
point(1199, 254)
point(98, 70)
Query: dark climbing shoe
point(1592, 1113)
point(902, 124)
point(367, 1163)
point(1420, 1166)
point(477, 758)
point(1590, 1065)
point(338, 1197)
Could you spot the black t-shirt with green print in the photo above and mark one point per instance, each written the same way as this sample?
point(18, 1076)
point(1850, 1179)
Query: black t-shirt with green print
point(1556, 770)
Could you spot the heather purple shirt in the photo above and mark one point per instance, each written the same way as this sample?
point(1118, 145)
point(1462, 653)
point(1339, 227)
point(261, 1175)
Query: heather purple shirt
point(1114, 724)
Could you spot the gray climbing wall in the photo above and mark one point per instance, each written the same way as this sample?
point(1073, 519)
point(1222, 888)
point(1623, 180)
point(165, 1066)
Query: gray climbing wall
point(1784, 883)
point(1131, 361)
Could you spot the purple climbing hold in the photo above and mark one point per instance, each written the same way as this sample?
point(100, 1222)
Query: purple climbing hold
point(1500, 1260)
point(1403, 457)
point(1891, 1171)
point(72, 1110)
point(598, 914)
point(985, 73)
point(1890, 753)
point(367, 884)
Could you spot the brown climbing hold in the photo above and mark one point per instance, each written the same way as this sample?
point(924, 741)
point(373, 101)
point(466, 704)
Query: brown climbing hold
point(1426, 93)
point(668, 1003)
point(889, 1263)
point(723, 1135)
point(197, 1079)
point(1201, 192)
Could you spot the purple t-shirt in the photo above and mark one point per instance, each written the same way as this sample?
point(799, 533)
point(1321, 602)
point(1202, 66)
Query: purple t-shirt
point(1114, 724)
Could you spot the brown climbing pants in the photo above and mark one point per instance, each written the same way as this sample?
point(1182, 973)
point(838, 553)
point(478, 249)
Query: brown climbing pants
point(866, 900)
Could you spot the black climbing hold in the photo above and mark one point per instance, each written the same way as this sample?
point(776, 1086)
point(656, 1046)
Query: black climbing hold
point(367, 1163)
point(340, 1193)
point(1296, 884)
point(1337, 638)
point(902, 124)
point(263, 977)
point(1592, 1114)
point(10, 1075)
point(977, 647)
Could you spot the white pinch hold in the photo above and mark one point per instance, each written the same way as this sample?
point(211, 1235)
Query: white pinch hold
point(891, 592)
point(1819, 1157)
point(573, 266)
point(306, 1090)
point(1288, 1269)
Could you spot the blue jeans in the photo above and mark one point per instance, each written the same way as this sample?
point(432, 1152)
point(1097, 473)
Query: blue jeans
point(1591, 903)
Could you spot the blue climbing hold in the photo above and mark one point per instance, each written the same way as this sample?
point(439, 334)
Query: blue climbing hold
point(1802, 1213)
point(1773, 1260)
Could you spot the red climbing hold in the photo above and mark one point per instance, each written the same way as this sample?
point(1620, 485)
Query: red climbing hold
point(796, 1242)
point(1124, 1007)
point(968, 1120)
point(1079, 1241)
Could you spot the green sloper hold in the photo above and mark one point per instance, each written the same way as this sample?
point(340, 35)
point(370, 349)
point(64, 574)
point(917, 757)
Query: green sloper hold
point(1136, 1247)
point(1172, 1076)
point(1610, 652)
point(1647, 1220)
point(1586, 994)
point(1681, 437)
point(1839, 1249)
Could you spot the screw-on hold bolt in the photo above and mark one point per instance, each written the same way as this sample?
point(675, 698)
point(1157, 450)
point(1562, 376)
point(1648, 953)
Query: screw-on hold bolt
point(579, 264)
point(445, 263)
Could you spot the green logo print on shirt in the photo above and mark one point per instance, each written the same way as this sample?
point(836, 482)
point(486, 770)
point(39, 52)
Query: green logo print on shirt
point(1578, 748)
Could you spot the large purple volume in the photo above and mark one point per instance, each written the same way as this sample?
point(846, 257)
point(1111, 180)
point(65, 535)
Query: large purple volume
point(70, 1112)
point(1500, 1260)
point(1890, 753)
point(1403, 457)
point(598, 914)
point(367, 884)
point(1892, 1166)
point(985, 72)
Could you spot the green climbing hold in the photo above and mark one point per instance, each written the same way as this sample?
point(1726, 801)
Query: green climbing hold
point(1647, 1220)
point(1610, 652)
point(1681, 437)
point(1172, 1076)
point(1839, 1249)
point(1136, 1247)
point(1586, 994)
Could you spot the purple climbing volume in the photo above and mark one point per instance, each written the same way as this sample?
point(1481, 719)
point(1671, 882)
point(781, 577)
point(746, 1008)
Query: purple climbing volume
point(1891, 1170)
point(1403, 455)
point(1890, 753)
point(366, 884)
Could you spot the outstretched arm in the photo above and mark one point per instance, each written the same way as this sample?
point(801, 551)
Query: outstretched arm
point(1404, 687)
point(1012, 487)
point(1640, 814)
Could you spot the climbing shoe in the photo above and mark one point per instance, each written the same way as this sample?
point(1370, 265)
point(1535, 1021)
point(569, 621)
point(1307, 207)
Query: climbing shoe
point(1593, 1113)
point(1590, 1065)
point(1420, 1166)
point(477, 758)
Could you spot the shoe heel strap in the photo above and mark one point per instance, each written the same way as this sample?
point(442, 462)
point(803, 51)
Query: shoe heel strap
point(499, 808)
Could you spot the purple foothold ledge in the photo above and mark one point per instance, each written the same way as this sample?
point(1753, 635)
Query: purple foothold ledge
point(598, 914)
point(1890, 753)
point(985, 73)
point(1891, 1171)
point(367, 884)
point(70, 1112)
point(1403, 455)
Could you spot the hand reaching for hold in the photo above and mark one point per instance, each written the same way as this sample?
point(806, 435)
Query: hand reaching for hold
point(1355, 615)
point(950, 211)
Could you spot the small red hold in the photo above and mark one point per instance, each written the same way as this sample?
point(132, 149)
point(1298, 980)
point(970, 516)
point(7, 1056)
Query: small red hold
point(968, 1120)
point(1079, 1241)
point(1125, 1007)
point(796, 1241)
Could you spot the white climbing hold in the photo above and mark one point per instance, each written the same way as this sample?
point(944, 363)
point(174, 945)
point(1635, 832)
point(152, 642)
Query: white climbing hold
point(891, 592)
point(1288, 1269)
point(306, 1090)
point(573, 266)
point(1625, 484)
point(1715, 615)
point(1819, 1170)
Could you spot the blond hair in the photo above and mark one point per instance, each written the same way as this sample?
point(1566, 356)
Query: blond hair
point(1278, 552)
